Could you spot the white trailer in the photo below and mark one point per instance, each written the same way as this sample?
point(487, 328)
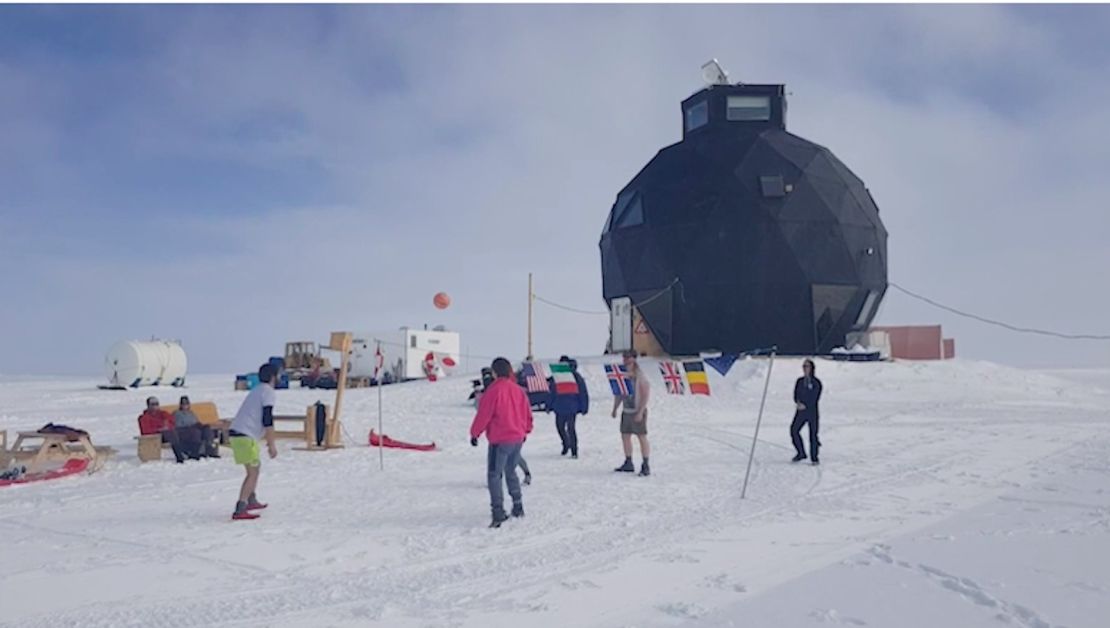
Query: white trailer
point(404, 352)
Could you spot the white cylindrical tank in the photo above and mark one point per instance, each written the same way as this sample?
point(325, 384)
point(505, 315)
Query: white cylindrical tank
point(132, 363)
point(176, 365)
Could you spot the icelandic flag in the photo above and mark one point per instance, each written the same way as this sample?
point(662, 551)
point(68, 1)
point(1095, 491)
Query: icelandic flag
point(534, 378)
point(722, 363)
point(695, 377)
point(672, 378)
point(565, 384)
point(618, 380)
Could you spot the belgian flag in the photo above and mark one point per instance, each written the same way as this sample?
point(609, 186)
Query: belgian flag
point(695, 377)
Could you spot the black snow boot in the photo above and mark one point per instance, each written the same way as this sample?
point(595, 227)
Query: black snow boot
point(518, 510)
point(627, 467)
point(798, 458)
point(816, 462)
point(499, 517)
point(645, 469)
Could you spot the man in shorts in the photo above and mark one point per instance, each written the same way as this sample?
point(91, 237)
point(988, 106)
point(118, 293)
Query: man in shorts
point(634, 416)
point(253, 422)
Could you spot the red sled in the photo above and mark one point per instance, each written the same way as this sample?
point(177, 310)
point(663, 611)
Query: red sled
point(71, 467)
point(386, 441)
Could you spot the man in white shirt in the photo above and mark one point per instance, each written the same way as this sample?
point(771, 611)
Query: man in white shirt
point(253, 422)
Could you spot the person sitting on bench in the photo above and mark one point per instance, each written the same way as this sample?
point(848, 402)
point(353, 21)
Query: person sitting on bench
point(197, 439)
point(157, 421)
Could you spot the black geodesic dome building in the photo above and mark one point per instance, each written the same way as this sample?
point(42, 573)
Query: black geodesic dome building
point(743, 235)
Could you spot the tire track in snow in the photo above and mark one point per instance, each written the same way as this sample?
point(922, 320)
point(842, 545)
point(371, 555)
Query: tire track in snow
point(457, 577)
point(968, 589)
point(454, 579)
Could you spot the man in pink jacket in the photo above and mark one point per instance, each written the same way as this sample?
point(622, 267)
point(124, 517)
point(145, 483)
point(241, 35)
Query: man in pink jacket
point(505, 416)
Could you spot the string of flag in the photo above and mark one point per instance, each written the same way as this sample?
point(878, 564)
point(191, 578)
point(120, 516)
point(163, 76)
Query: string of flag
point(680, 377)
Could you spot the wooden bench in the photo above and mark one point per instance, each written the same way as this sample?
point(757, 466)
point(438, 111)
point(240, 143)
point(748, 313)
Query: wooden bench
point(42, 449)
point(306, 428)
point(150, 446)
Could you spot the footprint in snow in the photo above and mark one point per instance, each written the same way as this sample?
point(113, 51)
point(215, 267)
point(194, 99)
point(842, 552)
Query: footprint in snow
point(575, 585)
point(682, 610)
point(676, 558)
point(723, 582)
point(832, 616)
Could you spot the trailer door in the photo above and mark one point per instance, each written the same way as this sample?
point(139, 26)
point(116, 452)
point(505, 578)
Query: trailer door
point(620, 324)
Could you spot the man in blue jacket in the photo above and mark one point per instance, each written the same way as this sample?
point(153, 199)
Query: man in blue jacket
point(807, 394)
point(569, 398)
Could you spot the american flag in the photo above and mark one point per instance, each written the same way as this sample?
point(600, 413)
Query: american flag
point(671, 377)
point(535, 378)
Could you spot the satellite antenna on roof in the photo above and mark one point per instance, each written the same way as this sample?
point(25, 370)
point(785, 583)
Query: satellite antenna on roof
point(713, 73)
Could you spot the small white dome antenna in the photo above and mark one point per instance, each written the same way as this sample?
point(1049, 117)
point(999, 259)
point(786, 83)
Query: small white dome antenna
point(713, 74)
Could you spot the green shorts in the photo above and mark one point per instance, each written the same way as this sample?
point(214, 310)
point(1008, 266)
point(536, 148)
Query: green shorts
point(245, 449)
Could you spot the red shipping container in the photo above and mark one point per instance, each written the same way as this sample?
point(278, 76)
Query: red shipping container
point(915, 342)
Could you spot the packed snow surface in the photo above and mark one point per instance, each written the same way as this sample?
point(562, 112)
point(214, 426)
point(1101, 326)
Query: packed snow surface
point(950, 494)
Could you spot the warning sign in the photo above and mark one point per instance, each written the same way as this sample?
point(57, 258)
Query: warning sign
point(641, 328)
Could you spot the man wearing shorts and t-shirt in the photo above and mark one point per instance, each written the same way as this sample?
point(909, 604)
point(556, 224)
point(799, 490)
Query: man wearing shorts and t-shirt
point(253, 422)
point(634, 416)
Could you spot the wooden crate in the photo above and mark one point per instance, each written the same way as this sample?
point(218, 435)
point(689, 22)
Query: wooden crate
point(150, 447)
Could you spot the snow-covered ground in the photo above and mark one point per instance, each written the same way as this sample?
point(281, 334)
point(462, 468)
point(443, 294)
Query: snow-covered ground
point(951, 494)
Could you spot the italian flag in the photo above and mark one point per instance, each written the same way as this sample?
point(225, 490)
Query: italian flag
point(565, 383)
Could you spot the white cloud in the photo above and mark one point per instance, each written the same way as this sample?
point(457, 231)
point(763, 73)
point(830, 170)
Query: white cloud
point(467, 146)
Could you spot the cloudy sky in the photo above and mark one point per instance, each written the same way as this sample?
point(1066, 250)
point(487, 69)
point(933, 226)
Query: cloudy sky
point(240, 176)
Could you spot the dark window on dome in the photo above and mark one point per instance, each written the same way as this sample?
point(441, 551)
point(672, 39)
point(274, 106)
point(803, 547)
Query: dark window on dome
point(868, 305)
point(748, 108)
point(618, 209)
point(697, 115)
point(773, 186)
point(632, 215)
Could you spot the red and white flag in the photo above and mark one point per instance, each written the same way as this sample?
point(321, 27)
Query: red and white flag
point(379, 361)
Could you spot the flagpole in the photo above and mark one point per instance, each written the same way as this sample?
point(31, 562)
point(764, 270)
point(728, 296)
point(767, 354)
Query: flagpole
point(531, 296)
point(758, 421)
point(381, 435)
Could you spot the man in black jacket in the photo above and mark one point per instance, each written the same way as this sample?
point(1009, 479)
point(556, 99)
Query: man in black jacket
point(807, 393)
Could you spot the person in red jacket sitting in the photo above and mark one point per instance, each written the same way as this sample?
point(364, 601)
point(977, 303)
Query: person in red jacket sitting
point(155, 420)
point(505, 416)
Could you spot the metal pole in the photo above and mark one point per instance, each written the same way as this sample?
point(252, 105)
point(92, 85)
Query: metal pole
point(381, 436)
point(758, 421)
point(531, 296)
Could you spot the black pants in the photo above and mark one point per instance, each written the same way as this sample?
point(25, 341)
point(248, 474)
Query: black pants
point(197, 440)
point(801, 419)
point(174, 439)
point(567, 433)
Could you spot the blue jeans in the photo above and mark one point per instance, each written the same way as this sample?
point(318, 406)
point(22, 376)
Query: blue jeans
point(501, 462)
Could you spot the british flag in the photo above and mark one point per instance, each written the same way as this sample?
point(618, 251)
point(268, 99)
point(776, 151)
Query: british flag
point(535, 379)
point(672, 378)
point(618, 379)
